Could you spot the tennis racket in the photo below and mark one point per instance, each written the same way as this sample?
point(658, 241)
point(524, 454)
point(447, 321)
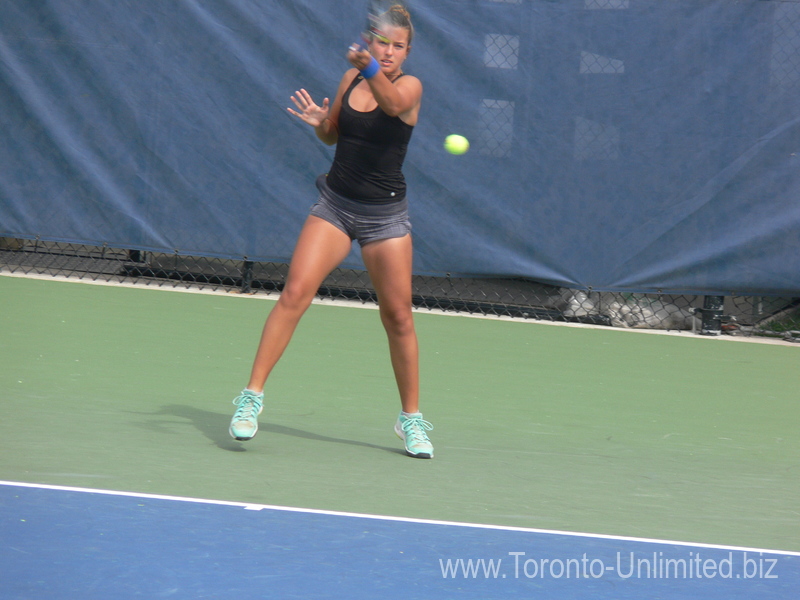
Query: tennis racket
point(376, 19)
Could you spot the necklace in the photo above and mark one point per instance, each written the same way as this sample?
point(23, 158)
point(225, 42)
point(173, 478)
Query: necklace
point(392, 80)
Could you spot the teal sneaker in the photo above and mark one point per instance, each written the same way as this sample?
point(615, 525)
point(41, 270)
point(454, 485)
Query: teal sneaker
point(244, 423)
point(411, 429)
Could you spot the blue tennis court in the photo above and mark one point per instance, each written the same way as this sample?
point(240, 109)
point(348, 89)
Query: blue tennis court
point(70, 543)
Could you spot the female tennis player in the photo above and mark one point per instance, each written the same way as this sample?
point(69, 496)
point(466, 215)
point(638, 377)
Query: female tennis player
point(363, 198)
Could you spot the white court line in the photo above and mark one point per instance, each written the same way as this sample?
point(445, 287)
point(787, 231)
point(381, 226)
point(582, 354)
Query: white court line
point(750, 339)
point(335, 513)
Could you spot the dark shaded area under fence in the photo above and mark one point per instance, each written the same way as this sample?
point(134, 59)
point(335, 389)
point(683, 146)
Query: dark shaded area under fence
point(516, 298)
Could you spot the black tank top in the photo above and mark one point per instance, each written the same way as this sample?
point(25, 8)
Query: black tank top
point(369, 155)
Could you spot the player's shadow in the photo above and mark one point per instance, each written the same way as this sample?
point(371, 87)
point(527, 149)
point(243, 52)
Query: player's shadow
point(215, 427)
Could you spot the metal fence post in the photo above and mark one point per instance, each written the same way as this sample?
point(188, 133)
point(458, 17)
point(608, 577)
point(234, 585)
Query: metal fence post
point(712, 315)
point(247, 276)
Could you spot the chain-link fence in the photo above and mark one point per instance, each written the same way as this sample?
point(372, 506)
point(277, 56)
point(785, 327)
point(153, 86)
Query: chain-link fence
point(777, 317)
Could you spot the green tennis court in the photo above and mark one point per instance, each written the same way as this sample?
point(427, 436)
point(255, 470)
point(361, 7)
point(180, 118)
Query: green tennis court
point(565, 428)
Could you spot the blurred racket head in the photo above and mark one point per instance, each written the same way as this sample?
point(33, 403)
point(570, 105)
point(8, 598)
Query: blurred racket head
point(377, 20)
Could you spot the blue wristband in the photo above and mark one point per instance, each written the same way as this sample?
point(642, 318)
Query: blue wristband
point(371, 69)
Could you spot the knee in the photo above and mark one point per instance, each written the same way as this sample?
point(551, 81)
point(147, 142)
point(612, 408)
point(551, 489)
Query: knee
point(296, 297)
point(398, 321)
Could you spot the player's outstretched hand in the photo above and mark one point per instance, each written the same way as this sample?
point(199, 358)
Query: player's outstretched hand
point(309, 111)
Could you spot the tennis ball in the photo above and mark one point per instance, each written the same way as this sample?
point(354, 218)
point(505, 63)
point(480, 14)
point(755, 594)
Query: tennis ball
point(456, 144)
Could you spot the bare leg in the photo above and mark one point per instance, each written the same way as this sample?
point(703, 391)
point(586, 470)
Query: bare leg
point(320, 248)
point(389, 265)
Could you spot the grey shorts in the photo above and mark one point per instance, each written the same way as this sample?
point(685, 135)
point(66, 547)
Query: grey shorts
point(364, 222)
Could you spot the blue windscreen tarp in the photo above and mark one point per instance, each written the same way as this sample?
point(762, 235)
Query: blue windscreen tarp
point(622, 145)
